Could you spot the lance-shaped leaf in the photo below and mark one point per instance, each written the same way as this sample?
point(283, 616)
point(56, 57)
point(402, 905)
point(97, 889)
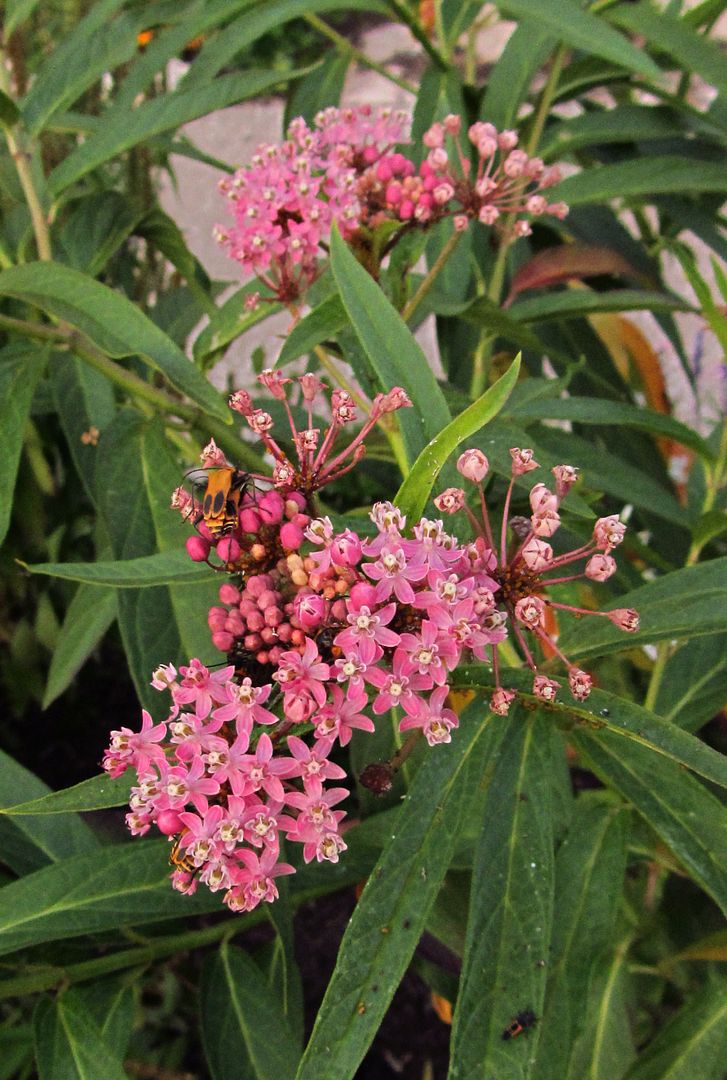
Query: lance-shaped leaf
point(392, 911)
point(694, 1042)
point(118, 327)
point(29, 843)
point(616, 716)
point(687, 817)
point(97, 793)
point(83, 399)
point(245, 1032)
point(511, 909)
point(162, 568)
point(589, 871)
point(70, 1045)
point(412, 496)
point(393, 353)
point(577, 303)
point(319, 324)
point(20, 369)
point(90, 614)
point(687, 603)
point(693, 687)
point(605, 1047)
point(643, 176)
point(568, 261)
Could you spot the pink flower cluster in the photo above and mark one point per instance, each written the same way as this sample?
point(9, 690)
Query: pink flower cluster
point(212, 776)
point(523, 555)
point(506, 180)
point(286, 200)
point(346, 170)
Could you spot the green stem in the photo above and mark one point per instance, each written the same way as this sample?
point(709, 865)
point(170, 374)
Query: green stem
point(344, 46)
point(546, 100)
point(404, 15)
point(434, 272)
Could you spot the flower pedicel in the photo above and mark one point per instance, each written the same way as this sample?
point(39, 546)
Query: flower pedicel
point(323, 631)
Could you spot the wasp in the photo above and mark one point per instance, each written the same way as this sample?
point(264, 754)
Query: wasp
point(221, 500)
point(524, 1021)
point(178, 860)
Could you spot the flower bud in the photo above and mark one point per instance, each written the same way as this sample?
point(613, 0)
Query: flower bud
point(473, 465)
point(229, 594)
point(600, 567)
point(522, 461)
point(197, 548)
point(228, 549)
point(580, 682)
point(625, 619)
point(501, 700)
point(291, 536)
point(608, 532)
point(310, 610)
point(545, 688)
point(223, 640)
point(530, 610)
point(537, 555)
point(169, 822)
point(450, 501)
point(249, 520)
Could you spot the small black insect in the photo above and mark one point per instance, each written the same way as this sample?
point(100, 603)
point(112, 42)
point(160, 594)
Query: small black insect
point(524, 1021)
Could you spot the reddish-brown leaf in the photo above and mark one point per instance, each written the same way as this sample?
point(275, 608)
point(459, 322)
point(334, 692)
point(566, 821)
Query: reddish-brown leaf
point(571, 261)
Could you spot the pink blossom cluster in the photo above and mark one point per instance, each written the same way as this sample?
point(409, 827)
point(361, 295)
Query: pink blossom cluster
point(506, 180)
point(211, 775)
point(286, 200)
point(523, 555)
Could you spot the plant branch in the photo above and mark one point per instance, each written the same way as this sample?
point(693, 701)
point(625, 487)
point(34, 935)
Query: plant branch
point(434, 272)
point(344, 46)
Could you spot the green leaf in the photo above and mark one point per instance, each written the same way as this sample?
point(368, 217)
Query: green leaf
point(578, 303)
point(390, 915)
point(165, 113)
point(110, 1003)
point(646, 176)
point(9, 112)
point(97, 226)
point(690, 820)
point(112, 322)
point(589, 871)
point(693, 688)
point(319, 89)
point(97, 793)
point(90, 614)
point(620, 718)
point(511, 908)
point(693, 1043)
point(605, 1048)
point(70, 1045)
point(582, 410)
point(686, 48)
point(321, 323)
point(244, 1030)
point(522, 58)
point(163, 568)
point(417, 486)
point(27, 842)
point(16, 13)
point(568, 22)
point(99, 42)
point(392, 351)
point(284, 976)
point(231, 321)
point(83, 399)
point(625, 123)
point(687, 603)
point(20, 369)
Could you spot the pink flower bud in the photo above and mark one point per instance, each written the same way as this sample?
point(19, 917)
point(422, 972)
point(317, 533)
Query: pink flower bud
point(291, 536)
point(501, 700)
point(473, 465)
point(169, 822)
point(545, 523)
point(450, 501)
point(249, 520)
point(229, 594)
point(522, 461)
point(452, 124)
point(294, 502)
point(197, 548)
point(541, 499)
point(241, 402)
point(223, 640)
point(530, 610)
point(488, 215)
point(443, 193)
point(545, 688)
point(460, 221)
point(228, 549)
point(537, 555)
point(271, 507)
point(625, 618)
point(363, 595)
point(580, 683)
point(212, 457)
point(298, 707)
point(507, 140)
point(522, 228)
point(434, 137)
point(600, 567)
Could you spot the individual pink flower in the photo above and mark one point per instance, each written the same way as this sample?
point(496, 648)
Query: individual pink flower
point(343, 715)
point(435, 721)
point(245, 705)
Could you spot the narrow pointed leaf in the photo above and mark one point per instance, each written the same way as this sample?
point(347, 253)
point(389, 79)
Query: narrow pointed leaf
point(96, 793)
point(20, 370)
point(70, 1045)
point(245, 1032)
point(319, 324)
point(693, 688)
point(162, 568)
point(413, 494)
point(118, 327)
point(511, 910)
point(391, 913)
point(645, 176)
point(90, 614)
point(394, 355)
point(578, 303)
point(605, 1048)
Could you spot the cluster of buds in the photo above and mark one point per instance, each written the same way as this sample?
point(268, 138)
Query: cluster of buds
point(347, 170)
point(285, 202)
point(506, 180)
point(323, 631)
point(523, 557)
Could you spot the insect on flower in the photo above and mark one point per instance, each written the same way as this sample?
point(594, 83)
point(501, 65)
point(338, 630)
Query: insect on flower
point(221, 500)
point(524, 1021)
point(179, 860)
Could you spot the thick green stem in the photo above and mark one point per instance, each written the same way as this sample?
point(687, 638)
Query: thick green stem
point(344, 46)
point(434, 272)
point(404, 15)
